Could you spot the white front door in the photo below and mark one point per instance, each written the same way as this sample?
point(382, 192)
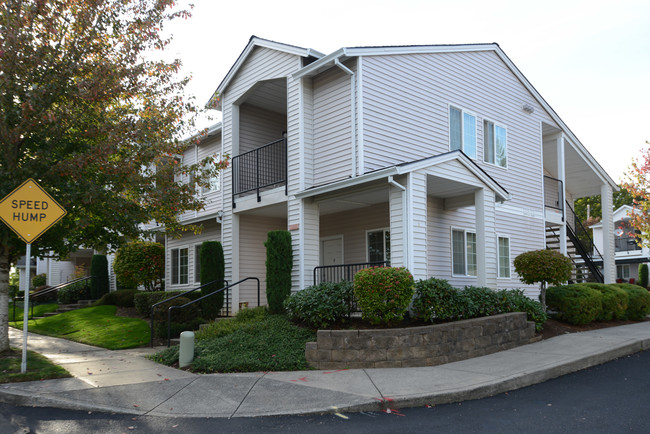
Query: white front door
point(332, 251)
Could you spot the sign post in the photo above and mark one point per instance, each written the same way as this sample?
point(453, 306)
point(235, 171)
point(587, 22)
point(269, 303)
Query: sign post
point(29, 211)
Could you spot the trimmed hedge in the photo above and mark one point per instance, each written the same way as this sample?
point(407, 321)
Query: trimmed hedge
point(643, 275)
point(639, 301)
point(121, 297)
point(575, 304)
point(321, 305)
point(279, 263)
point(73, 293)
point(437, 301)
point(212, 269)
point(181, 319)
point(383, 293)
point(614, 301)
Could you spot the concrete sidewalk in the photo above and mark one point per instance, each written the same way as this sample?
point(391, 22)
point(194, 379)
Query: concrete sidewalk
point(125, 382)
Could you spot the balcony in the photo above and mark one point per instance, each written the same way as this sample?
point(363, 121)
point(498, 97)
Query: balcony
point(261, 169)
point(553, 195)
point(626, 244)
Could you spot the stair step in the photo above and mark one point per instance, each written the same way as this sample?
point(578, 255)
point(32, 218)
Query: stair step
point(48, 314)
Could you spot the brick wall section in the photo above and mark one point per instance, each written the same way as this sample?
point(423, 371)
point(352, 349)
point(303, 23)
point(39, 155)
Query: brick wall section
point(419, 346)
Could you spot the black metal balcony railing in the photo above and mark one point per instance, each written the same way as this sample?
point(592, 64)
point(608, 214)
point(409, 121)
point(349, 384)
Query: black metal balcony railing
point(342, 272)
point(260, 168)
point(626, 244)
point(553, 194)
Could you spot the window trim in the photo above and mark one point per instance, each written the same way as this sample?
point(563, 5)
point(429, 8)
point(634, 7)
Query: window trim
point(499, 276)
point(505, 129)
point(178, 273)
point(384, 230)
point(451, 242)
point(623, 267)
point(462, 129)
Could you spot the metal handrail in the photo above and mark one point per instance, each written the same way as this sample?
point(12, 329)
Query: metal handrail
point(47, 291)
point(153, 306)
point(254, 156)
point(225, 288)
point(348, 267)
point(551, 202)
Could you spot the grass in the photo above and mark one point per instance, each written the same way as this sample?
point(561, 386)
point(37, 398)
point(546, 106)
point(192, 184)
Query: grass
point(253, 341)
point(38, 367)
point(39, 310)
point(96, 326)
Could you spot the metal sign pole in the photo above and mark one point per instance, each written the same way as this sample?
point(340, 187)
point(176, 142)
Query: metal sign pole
point(28, 268)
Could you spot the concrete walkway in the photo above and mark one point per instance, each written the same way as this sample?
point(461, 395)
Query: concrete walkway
point(125, 382)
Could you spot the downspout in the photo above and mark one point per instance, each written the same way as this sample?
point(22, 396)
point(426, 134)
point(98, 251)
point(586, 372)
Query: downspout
point(353, 108)
point(407, 261)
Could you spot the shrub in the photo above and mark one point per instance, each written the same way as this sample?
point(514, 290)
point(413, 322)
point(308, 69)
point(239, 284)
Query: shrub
point(160, 329)
point(226, 326)
point(36, 296)
point(544, 267)
point(638, 306)
point(514, 300)
point(279, 263)
point(73, 293)
point(99, 271)
point(437, 301)
point(121, 297)
point(576, 304)
point(321, 305)
point(186, 317)
point(614, 301)
point(643, 275)
point(140, 263)
point(144, 300)
point(212, 270)
point(383, 293)
point(480, 301)
point(39, 280)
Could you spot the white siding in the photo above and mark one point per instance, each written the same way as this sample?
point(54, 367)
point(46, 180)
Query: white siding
point(212, 199)
point(258, 127)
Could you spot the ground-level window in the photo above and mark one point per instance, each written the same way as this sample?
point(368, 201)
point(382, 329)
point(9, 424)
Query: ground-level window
point(623, 271)
point(179, 266)
point(378, 245)
point(197, 263)
point(504, 256)
point(463, 252)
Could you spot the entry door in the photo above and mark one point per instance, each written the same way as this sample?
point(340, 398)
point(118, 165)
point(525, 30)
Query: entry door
point(332, 251)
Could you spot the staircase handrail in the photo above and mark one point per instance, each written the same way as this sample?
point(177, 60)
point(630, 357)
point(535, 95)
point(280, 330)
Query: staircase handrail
point(579, 224)
point(172, 298)
point(47, 291)
point(225, 288)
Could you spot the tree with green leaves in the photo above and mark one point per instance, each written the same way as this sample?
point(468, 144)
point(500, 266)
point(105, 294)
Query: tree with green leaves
point(88, 113)
point(620, 198)
point(140, 263)
point(543, 266)
point(637, 183)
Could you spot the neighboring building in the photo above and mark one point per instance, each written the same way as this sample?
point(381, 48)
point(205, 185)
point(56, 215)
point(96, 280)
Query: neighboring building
point(443, 159)
point(629, 254)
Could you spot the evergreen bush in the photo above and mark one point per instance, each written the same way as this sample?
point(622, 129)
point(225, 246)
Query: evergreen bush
point(99, 272)
point(39, 280)
point(279, 263)
point(575, 304)
point(643, 275)
point(638, 306)
point(480, 301)
point(437, 301)
point(514, 300)
point(383, 293)
point(213, 269)
point(121, 297)
point(143, 301)
point(614, 301)
point(321, 305)
point(71, 294)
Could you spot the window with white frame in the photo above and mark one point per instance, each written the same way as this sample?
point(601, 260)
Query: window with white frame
point(214, 181)
point(463, 252)
point(179, 266)
point(197, 263)
point(495, 144)
point(378, 245)
point(462, 131)
point(504, 256)
point(623, 271)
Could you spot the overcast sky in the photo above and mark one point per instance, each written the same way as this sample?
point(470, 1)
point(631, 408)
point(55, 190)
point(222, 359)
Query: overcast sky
point(590, 60)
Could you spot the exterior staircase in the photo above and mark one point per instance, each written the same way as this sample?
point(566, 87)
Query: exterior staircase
point(68, 307)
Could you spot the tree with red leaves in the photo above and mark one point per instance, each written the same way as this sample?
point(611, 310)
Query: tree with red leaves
point(637, 183)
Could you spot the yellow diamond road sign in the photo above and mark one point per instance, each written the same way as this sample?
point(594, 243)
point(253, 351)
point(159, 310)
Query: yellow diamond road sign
point(29, 211)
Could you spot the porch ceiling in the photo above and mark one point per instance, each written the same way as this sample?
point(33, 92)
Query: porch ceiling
point(446, 188)
point(354, 199)
point(270, 95)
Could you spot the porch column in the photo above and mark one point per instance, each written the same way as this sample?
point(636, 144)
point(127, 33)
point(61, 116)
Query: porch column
point(486, 251)
point(397, 204)
point(561, 174)
point(417, 246)
point(305, 236)
point(609, 251)
point(232, 246)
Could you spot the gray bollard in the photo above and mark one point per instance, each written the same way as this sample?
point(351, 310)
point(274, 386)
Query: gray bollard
point(186, 351)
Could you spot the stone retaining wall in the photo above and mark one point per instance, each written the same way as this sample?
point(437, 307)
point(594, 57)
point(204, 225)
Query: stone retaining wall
point(419, 346)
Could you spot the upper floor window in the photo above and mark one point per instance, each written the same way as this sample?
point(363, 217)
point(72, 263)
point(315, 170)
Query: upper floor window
point(463, 252)
point(462, 131)
point(214, 181)
point(494, 144)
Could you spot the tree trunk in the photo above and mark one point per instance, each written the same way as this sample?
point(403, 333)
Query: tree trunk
point(542, 295)
point(4, 298)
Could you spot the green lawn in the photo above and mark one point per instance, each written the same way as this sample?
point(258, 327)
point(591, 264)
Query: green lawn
point(96, 326)
point(39, 310)
point(38, 367)
point(252, 341)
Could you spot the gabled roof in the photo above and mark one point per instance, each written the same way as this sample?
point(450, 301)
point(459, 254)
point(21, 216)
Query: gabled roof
point(345, 53)
point(253, 42)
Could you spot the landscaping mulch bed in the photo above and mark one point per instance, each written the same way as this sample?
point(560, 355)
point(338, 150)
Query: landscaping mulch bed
point(553, 327)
